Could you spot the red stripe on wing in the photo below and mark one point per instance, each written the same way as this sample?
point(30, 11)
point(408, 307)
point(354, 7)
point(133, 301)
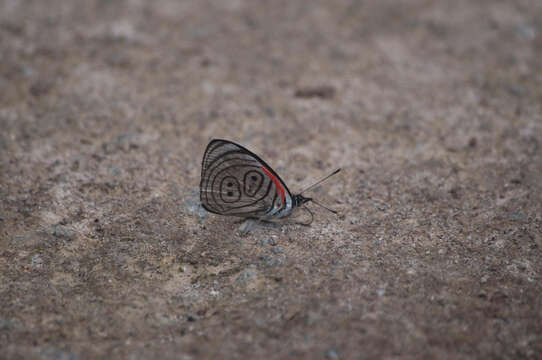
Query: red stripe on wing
point(278, 185)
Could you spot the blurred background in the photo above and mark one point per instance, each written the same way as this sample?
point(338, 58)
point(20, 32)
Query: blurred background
point(432, 109)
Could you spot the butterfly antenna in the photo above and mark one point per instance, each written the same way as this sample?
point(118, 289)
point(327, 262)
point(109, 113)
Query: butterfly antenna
point(325, 207)
point(320, 181)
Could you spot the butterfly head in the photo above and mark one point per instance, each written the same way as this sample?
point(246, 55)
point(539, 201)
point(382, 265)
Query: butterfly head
point(300, 200)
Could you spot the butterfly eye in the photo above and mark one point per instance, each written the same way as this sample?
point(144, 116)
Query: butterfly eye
point(253, 178)
point(230, 184)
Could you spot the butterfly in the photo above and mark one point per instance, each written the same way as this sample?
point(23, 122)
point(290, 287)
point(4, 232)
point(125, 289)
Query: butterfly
point(237, 182)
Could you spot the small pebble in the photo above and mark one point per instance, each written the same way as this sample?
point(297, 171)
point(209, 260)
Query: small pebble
point(271, 261)
point(36, 261)
point(323, 92)
point(192, 205)
point(57, 354)
point(5, 324)
point(332, 354)
point(245, 275)
point(277, 250)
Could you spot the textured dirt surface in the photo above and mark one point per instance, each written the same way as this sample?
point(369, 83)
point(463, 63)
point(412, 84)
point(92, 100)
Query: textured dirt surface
point(432, 108)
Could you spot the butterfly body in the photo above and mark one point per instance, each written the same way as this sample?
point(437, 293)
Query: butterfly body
point(236, 182)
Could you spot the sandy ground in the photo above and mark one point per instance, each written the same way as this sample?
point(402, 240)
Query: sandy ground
point(432, 108)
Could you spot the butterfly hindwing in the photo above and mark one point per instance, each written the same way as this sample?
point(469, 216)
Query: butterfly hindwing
point(235, 181)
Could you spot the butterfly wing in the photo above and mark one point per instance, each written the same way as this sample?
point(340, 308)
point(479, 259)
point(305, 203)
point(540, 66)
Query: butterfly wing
point(235, 181)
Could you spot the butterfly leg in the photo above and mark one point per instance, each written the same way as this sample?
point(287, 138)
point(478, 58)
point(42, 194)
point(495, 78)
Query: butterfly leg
point(307, 223)
point(294, 219)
